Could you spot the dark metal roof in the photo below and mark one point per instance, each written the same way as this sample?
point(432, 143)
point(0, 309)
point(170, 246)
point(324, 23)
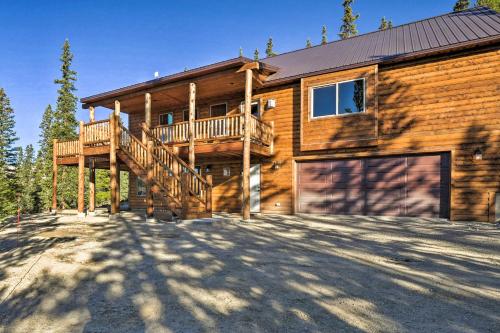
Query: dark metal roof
point(443, 32)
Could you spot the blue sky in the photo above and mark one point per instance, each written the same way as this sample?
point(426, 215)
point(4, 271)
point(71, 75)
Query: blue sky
point(116, 43)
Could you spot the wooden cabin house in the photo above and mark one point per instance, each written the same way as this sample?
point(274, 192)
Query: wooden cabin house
point(399, 122)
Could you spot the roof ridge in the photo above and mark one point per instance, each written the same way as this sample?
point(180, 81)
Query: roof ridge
point(478, 8)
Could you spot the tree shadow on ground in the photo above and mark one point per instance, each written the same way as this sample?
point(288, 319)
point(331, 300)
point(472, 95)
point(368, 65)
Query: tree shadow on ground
point(280, 274)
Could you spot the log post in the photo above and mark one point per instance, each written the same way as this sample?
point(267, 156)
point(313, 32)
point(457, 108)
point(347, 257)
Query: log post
point(192, 111)
point(147, 116)
point(246, 145)
point(91, 114)
point(81, 173)
point(149, 198)
point(54, 176)
point(209, 194)
point(118, 196)
point(92, 187)
point(112, 162)
point(184, 195)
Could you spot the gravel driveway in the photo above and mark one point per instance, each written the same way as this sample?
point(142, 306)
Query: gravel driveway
point(274, 274)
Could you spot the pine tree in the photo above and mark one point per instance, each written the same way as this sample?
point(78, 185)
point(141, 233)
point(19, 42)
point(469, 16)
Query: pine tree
point(241, 52)
point(492, 4)
point(269, 48)
point(256, 55)
point(44, 159)
point(348, 28)
point(64, 126)
point(308, 43)
point(461, 5)
point(324, 37)
point(384, 24)
point(26, 180)
point(8, 157)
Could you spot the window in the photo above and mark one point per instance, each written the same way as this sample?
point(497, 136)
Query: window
point(141, 188)
point(166, 118)
point(337, 99)
point(218, 110)
point(255, 108)
point(185, 114)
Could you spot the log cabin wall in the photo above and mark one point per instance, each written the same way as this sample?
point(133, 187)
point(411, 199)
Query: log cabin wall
point(442, 104)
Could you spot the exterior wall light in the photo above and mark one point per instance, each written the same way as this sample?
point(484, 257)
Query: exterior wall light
point(276, 165)
point(271, 104)
point(478, 155)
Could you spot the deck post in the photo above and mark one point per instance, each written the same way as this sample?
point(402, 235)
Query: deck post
point(81, 173)
point(112, 162)
point(147, 116)
point(185, 203)
point(192, 112)
point(54, 176)
point(91, 187)
point(209, 194)
point(246, 145)
point(149, 175)
point(91, 114)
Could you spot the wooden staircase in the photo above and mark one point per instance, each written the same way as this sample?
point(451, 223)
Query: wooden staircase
point(183, 191)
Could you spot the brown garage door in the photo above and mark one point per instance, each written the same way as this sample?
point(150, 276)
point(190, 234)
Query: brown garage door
point(396, 186)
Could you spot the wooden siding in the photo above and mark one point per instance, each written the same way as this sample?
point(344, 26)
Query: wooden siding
point(444, 104)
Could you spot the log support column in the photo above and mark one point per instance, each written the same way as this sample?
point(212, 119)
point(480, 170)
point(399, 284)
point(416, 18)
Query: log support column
point(147, 116)
point(91, 188)
point(91, 114)
point(149, 184)
point(54, 177)
point(192, 113)
point(81, 174)
point(246, 146)
point(112, 161)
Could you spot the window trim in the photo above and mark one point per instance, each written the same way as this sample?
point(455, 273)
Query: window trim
point(162, 114)
point(210, 109)
point(336, 84)
point(196, 114)
point(254, 102)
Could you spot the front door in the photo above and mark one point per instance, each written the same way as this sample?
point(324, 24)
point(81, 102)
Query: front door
point(255, 188)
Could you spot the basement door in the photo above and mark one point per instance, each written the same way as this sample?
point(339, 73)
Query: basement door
point(387, 186)
point(255, 188)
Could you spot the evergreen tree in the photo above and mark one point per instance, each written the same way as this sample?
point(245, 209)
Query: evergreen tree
point(384, 24)
point(44, 159)
point(8, 157)
point(256, 55)
point(269, 48)
point(461, 5)
point(241, 51)
point(492, 4)
point(348, 28)
point(308, 43)
point(324, 37)
point(64, 126)
point(27, 188)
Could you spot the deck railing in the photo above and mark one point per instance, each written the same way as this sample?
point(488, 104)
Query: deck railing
point(67, 148)
point(225, 127)
point(96, 132)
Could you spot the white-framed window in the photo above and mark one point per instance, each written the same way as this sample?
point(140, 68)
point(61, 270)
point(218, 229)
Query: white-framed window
point(166, 118)
point(141, 188)
point(218, 110)
point(226, 171)
point(346, 97)
point(255, 108)
point(185, 114)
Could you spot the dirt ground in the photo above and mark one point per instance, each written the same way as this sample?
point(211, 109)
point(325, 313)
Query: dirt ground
point(275, 274)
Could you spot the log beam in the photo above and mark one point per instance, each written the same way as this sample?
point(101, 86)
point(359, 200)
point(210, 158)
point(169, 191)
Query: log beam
point(112, 162)
point(192, 111)
point(81, 173)
point(54, 176)
point(149, 185)
point(246, 145)
point(147, 115)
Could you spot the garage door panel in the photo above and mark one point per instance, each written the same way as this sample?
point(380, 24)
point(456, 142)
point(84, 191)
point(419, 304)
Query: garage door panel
point(401, 186)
